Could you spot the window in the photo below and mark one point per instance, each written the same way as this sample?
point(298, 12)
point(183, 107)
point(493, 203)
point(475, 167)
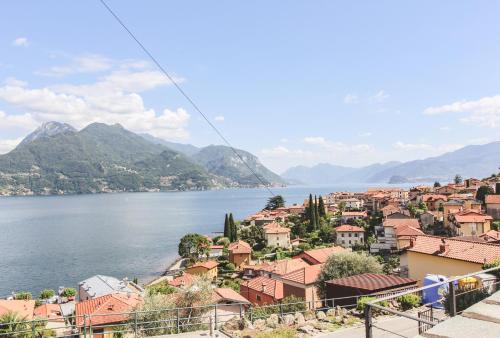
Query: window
point(349, 241)
point(350, 234)
point(342, 235)
point(258, 298)
point(343, 242)
point(356, 235)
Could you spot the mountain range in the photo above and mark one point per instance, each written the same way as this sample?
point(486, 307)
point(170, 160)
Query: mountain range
point(470, 161)
point(58, 159)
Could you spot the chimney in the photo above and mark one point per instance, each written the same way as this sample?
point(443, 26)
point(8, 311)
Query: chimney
point(443, 246)
point(412, 242)
point(263, 287)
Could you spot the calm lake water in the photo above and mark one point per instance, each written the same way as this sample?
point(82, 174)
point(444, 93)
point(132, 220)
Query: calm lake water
point(47, 242)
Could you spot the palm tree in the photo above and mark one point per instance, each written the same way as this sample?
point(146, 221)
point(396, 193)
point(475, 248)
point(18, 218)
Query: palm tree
point(11, 324)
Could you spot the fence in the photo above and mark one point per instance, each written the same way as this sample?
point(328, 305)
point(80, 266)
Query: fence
point(426, 320)
point(163, 321)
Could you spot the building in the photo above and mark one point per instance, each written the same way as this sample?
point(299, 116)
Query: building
point(427, 219)
point(319, 256)
point(445, 256)
point(394, 233)
point(23, 308)
point(183, 281)
point(281, 267)
point(302, 283)
point(493, 205)
point(350, 235)
point(470, 223)
point(434, 201)
point(240, 253)
point(365, 284)
point(277, 236)
point(216, 251)
point(492, 236)
point(353, 204)
point(230, 304)
point(262, 290)
point(55, 320)
point(352, 215)
point(100, 285)
point(104, 313)
point(208, 268)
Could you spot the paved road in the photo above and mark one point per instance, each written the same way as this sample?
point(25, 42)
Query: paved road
point(403, 327)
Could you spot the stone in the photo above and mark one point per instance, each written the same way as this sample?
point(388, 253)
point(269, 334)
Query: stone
point(299, 319)
point(320, 315)
point(308, 315)
point(338, 311)
point(234, 324)
point(288, 319)
point(307, 329)
point(331, 313)
point(273, 320)
point(248, 324)
point(259, 324)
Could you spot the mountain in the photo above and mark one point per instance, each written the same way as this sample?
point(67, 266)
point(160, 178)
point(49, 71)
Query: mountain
point(470, 161)
point(48, 129)
point(222, 161)
point(325, 173)
point(186, 149)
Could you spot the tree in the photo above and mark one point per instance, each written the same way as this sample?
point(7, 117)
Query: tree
point(422, 206)
point(321, 207)
point(24, 295)
point(497, 188)
point(346, 264)
point(458, 179)
point(483, 191)
point(309, 209)
point(437, 184)
point(68, 292)
point(316, 210)
point(233, 230)
point(227, 231)
point(254, 236)
point(327, 234)
point(193, 246)
point(47, 294)
point(11, 323)
point(275, 202)
point(412, 209)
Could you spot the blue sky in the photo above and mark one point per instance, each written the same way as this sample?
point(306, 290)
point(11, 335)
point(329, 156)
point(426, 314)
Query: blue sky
point(300, 82)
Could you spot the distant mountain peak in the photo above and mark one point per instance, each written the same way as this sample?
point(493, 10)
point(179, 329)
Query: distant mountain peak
point(48, 129)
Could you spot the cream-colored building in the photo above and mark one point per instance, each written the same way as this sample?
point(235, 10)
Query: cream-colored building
point(350, 235)
point(277, 236)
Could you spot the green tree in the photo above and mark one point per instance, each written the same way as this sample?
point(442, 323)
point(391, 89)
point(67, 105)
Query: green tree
point(233, 230)
point(193, 246)
point(458, 179)
point(483, 191)
point(47, 293)
point(24, 295)
point(227, 230)
point(346, 264)
point(254, 236)
point(316, 210)
point(275, 202)
point(422, 206)
point(327, 234)
point(68, 292)
point(11, 323)
point(160, 289)
point(412, 209)
point(321, 207)
point(309, 209)
point(437, 184)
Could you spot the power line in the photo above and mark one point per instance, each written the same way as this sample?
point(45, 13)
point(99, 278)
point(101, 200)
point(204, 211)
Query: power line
point(171, 79)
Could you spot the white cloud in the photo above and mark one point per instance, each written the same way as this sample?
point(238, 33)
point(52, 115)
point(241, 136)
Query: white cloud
point(350, 99)
point(430, 150)
point(484, 111)
point(24, 121)
point(380, 96)
point(21, 42)
point(8, 145)
point(219, 118)
point(113, 98)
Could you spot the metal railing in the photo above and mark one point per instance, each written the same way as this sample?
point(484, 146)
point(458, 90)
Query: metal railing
point(422, 320)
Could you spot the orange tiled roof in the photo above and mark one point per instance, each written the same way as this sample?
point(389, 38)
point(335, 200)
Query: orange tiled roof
point(267, 286)
point(306, 275)
point(185, 280)
point(106, 309)
point(434, 197)
point(24, 308)
point(354, 213)
point(491, 235)
point(349, 228)
point(456, 249)
point(494, 199)
point(49, 311)
point(408, 231)
point(470, 216)
point(240, 247)
point(398, 222)
point(277, 230)
point(227, 294)
point(284, 266)
point(209, 265)
point(321, 255)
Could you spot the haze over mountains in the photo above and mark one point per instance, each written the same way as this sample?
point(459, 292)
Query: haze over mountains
point(57, 159)
point(470, 161)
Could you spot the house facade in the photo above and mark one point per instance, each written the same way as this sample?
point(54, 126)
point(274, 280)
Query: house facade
point(277, 236)
point(350, 235)
point(262, 290)
point(470, 223)
point(493, 206)
point(302, 283)
point(208, 268)
point(240, 253)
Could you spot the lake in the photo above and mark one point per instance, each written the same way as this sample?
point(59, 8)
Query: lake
point(52, 241)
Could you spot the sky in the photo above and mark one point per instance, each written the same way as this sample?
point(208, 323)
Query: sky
point(296, 83)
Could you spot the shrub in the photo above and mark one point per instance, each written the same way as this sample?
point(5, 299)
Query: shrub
point(465, 300)
point(68, 292)
point(409, 301)
point(160, 289)
point(24, 295)
point(493, 264)
point(230, 267)
point(281, 333)
point(363, 300)
point(47, 293)
point(292, 304)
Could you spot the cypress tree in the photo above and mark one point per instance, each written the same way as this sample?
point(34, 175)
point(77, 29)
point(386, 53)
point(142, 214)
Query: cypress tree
point(316, 211)
point(227, 231)
point(321, 207)
point(310, 207)
point(312, 221)
point(232, 226)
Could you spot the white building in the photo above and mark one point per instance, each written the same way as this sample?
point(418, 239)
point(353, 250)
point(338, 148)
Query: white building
point(276, 235)
point(350, 235)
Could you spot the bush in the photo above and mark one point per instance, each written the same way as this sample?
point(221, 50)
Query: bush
point(409, 301)
point(24, 295)
point(493, 264)
point(465, 300)
point(68, 292)
point(230, 267)
point(281, 333)
point(47, 293)
point(160, 289)
point(363, 300)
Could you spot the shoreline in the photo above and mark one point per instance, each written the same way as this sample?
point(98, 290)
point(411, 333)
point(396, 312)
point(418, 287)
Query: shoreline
point(174, 266)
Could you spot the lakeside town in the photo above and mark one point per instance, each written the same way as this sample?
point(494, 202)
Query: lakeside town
point(294, 270)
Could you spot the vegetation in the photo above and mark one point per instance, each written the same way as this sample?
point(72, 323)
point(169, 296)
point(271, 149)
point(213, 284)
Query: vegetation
point(47, 294)
point(409, 301)
point(24, 295)
point(68, 292)
point(465, 297)
point(279, 333)
point(275, 202)
point(458, 179)
point(363, 300)
point(254, 236)
point(345, 264)
point(483, 191)
point(160, 289)
point(193, 246)
point(437, 184)
point(493, 264)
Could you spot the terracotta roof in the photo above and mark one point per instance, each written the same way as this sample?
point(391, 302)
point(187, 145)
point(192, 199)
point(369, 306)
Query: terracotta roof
point(434, 197)
point(271, 287)
point(24, 308)
point(209, 265)
point(278, 230)
point(272, 225)
point(306, 275)
point(321, 255)
point(106, 309)
point(354, 213)
point(215, 247)
point(227, 294)
point(491, 235)
point(240, 247)
point(349, 228)
point(470, 216)
point(456, 249)
point(492, 199)
point(185, 280)
point(408, 231)
point(398, 222)
point(284, 266)
point(373, 281)
point(49, 311)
